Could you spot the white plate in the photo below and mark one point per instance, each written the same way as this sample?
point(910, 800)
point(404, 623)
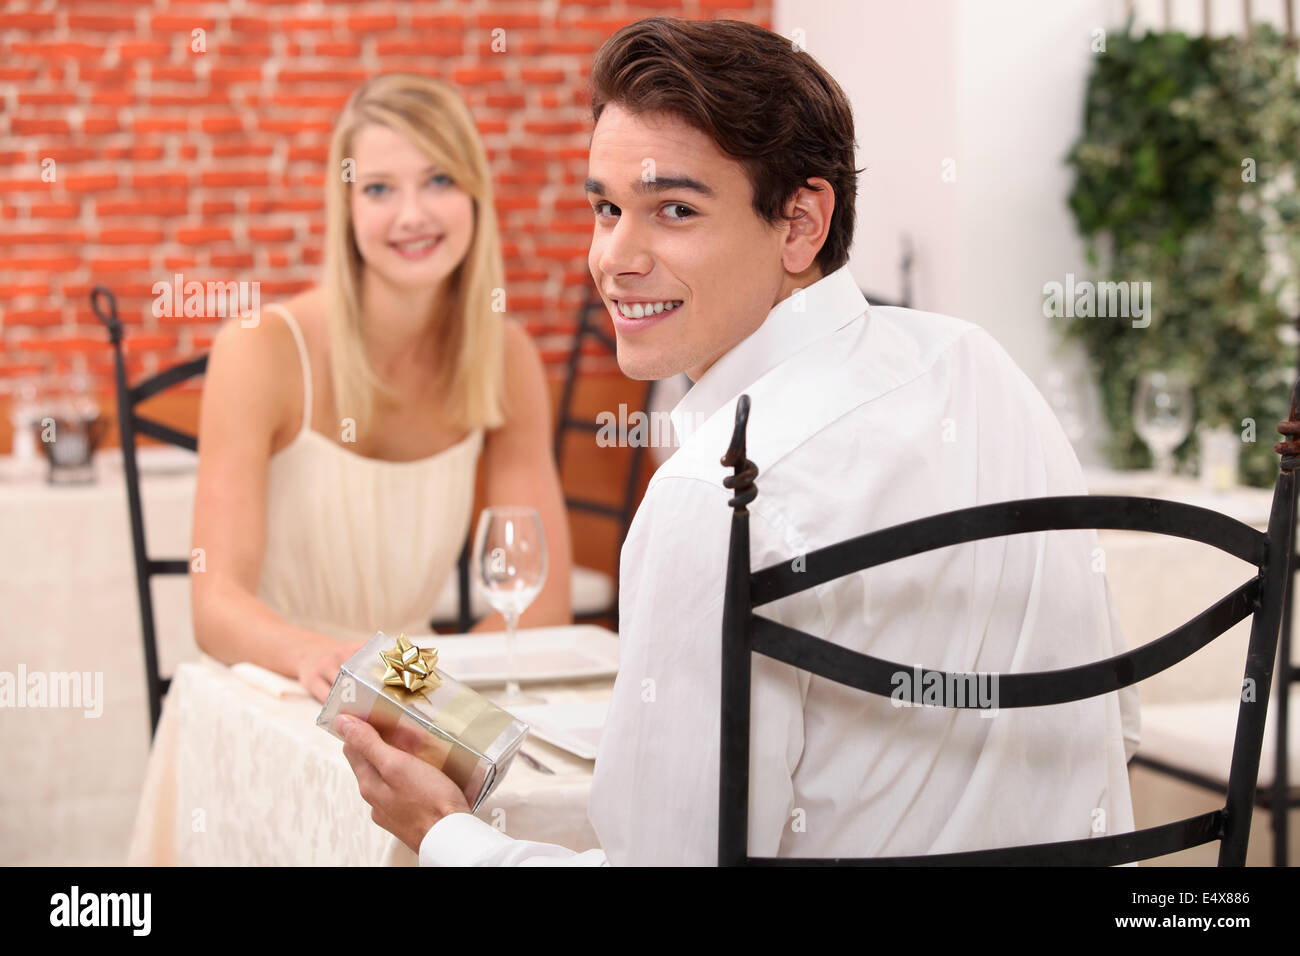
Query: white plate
point(574, 726)
point(576, 652)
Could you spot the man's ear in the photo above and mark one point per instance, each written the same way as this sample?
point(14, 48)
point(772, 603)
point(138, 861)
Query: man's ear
point(806, 232)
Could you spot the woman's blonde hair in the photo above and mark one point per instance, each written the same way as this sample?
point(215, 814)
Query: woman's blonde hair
point(471, 335)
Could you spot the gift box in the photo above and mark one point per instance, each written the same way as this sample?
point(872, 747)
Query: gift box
point(394, 685)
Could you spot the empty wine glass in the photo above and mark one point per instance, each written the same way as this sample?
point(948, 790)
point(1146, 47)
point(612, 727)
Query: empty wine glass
point(1162, 415)
point(510, 565)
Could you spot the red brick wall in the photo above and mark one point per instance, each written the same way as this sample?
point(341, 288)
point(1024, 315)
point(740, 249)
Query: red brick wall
point(211, 164)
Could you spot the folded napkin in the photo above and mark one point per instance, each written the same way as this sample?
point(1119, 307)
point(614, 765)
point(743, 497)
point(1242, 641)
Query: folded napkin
point(268, 682)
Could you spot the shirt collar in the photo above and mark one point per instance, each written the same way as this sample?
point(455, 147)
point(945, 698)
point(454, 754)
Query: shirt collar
point(794, 323)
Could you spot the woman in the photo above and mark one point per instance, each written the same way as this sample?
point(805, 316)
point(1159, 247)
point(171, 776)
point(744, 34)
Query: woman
point(342, 433)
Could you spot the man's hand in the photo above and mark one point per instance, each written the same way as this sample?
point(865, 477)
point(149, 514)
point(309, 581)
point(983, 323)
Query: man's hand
point(407, 795)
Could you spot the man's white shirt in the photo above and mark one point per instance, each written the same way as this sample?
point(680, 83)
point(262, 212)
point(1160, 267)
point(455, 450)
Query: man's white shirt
point(862, 417)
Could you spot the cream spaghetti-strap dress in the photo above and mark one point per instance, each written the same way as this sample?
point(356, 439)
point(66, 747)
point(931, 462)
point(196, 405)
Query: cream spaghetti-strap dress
point(356, 544)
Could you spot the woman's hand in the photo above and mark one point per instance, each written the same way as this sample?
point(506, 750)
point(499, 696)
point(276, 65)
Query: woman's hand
point(318, 667)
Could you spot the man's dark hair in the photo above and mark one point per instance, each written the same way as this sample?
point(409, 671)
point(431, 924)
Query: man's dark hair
point(772, 107)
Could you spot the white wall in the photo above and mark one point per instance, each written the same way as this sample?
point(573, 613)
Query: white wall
point(997, 86)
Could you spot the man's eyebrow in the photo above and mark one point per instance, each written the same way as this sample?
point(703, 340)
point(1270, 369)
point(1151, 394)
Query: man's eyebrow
point(660, 184)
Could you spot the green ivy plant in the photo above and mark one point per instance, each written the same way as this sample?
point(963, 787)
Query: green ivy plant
point(1186, 177)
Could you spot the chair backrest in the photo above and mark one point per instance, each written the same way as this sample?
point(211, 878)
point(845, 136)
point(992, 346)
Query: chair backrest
point(591, 326)
point(131, 424)
point(744, 632)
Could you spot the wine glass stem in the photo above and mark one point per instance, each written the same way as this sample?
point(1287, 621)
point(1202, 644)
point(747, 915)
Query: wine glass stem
point(512, 685)
point(1164, 463)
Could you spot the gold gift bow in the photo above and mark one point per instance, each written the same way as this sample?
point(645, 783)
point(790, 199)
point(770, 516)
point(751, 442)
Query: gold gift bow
point(410, 667)
point(470, 721)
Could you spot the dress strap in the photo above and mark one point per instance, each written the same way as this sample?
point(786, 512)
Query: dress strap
point(305, 362)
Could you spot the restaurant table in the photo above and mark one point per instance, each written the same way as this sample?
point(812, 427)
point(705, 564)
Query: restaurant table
point(68, 604)
point(240, 777)
point(71, 783)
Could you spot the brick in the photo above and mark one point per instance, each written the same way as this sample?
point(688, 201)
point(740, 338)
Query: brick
point(11, 292)
point(453, 45)
point(542, 76)
point(101, 76)
point(143, 50)
point(331, 101)
point(54, 210)
point(222, 124)
point(27, 184)
point(201, 235)
point(167, 23)
point(251, 25)
point(161, 124)
point(309, 152)
point(243, 74)
point(33, 126)
point(98, 23)
point(472, 76)
point(59, 51)
point(175, 74)
point(264, 205)
point(371, 24)
point(112, 97)
point(18, 73)
point(21, 369)
point(134, 152)
point(156, 208)
point(135, 237)
point(452, 23)
point(289, 127)
point(26, 21)
point(43, 238)
point(218, 207)
point(307, 24)
point(62, 98)
point(160, 181)
point(98, 125)
point(340, 48)
point(235, 178)
point(64, 344)
point(490, 21)
point(233, 260)
point(34, 317)
point(241, 148)
point(150, 343)
point(556, 128)
point(133, 264)
point(89, 184)
point(351, 77)
point(270, 233)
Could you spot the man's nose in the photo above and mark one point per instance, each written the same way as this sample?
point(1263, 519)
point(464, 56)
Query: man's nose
point(624, 249)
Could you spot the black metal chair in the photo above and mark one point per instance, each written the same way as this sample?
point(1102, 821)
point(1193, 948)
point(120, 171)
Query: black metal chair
point(591, 325)
point(130, 424)
point(1263, 596)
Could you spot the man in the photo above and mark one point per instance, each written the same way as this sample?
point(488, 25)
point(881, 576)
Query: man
point(722, 180)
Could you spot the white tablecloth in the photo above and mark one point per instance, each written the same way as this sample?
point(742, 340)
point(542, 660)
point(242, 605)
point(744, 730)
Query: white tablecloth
point(71, 784)
point(241, 778)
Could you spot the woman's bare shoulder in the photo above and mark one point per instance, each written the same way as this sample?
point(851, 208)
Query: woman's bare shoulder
point(254, 363)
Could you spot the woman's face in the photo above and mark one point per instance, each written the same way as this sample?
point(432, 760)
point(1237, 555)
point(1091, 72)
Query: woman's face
point(412, 223)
